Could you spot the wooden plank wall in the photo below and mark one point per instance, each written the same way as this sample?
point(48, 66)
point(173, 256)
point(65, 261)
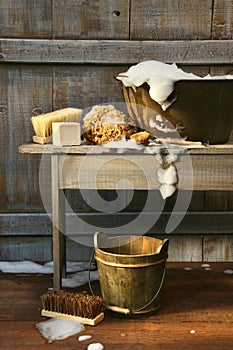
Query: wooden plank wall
point(56, 54)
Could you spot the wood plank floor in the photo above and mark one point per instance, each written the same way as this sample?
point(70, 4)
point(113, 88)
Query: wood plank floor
point(196, 313)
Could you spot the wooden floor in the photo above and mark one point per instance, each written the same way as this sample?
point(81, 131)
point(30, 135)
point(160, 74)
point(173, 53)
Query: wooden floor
point(197, 313)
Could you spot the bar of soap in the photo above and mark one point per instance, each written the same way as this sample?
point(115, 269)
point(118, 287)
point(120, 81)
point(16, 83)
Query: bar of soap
point(66, 134)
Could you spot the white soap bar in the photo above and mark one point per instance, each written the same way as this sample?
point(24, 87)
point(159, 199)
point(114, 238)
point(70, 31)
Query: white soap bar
point(66, 134)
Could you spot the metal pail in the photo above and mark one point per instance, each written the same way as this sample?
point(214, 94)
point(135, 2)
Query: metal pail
point(131, 272)
point(202, 109)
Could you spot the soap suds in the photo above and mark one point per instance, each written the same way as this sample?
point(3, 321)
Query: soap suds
point(159, 124)
point(78, 272)
point(123, 143)
point(95, 346)
point(160, 77)
point(167, 176)
point(167, 190)
point(205, 265)
point(58, 329)
point(84, 337)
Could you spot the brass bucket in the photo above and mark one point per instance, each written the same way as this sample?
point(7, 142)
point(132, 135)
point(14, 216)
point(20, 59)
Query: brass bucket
point(131, 272)
point(202, 110)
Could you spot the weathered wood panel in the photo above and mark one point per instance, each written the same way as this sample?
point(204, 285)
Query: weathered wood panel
point(21, 248)
point(181, 248)
point(4, 131)
point(28, 236)
point(171, 20)
point(82, 77)
point(185, 248)
point(104, 172)
point(222, 19)
point(113, 52)
point(38, 224)
point(38, 248)
point(25, 92)
point(218, 248)
point(27, 19)
point(83, 86)
point(196, 313)
point(223, 149)
point(216, 200)
point(152, 19)
point(86, 19)
point(213, 174)
point(230, 200)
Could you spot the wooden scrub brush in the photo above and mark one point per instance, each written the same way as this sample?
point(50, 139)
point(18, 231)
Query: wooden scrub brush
point(84, 308)
point(42, 123)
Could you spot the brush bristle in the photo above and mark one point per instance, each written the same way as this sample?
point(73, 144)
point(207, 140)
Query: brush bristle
point(42, 123)
point(75, 304)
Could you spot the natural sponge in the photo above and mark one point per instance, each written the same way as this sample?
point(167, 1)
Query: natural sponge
point(105, 123)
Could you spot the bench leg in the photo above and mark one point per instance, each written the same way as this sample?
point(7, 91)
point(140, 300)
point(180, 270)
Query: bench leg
point(58, 216)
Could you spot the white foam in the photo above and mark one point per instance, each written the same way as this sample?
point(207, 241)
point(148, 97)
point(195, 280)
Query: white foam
point(160, 77)
point(167, 190)
point(78, 272)
point(84, 337)
point(95, 346)
point(58, 329)
point(123, 144)
point(167, 176)
point(79, 279)
point(47, 268)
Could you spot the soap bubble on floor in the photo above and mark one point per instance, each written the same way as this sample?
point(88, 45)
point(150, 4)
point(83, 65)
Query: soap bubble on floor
point(58, 329)
point(205, 265)
point(95, 346)
point(84, 337)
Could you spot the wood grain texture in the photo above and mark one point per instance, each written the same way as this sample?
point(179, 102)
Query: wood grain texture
point(223, 149)
point(222, 19)
point(171, 20)
point(38, 248)
point(216, 200)
point(25, 248)
point(215, 173)
point(58, 222)
point(113, 52)
point(84, 86)
point(182, 247)
point(86, 19)
point(105, 173)
point(192, 299)
point(202, 223)
point(218, 248)
point(185, 248)
point(95, 40)
point(27, 19)
point(212, 174)
point(29, 89)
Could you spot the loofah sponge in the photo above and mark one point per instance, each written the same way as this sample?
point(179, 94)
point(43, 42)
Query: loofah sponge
point(105, 123)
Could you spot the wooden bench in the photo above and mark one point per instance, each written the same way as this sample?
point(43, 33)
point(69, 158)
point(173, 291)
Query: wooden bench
point(66, 56)
point(211, 168)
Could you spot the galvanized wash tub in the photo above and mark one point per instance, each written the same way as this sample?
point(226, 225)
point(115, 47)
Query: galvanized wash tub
point(202, 109)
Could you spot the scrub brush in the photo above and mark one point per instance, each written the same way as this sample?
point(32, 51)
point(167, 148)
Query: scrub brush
point(84, 308)
point(42, 123)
